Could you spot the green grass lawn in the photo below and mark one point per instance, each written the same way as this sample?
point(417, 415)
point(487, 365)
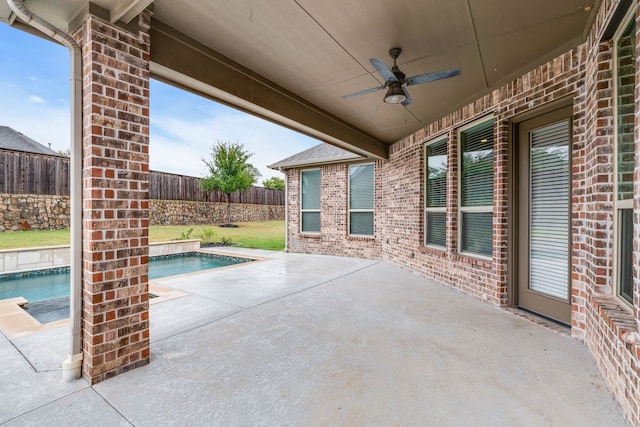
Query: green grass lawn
point(262, 235)
point(29, 239)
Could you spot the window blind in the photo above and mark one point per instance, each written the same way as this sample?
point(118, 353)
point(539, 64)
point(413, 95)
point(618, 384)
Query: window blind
point(361, 199)
point(549, 210)
point(477, 165)
point(477, 232)
point(361, 187)
point(436, 228)
point(361, 223)
point(311, 189)
point(437, 175)
point(625, 114)
point(625, 258)
point(311, 221)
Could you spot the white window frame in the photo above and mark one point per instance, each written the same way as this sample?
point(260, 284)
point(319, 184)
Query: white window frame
point(619, 205)
point(372, 210)
point(472, 209)
point(303, 211)
point(427, 209)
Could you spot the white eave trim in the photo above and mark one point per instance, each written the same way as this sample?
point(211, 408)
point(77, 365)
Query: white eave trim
point(317, 162)
point(128, 10)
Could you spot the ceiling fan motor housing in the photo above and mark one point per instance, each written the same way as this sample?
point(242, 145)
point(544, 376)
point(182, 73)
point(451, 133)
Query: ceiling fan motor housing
point(395, 53)
point(399, 74)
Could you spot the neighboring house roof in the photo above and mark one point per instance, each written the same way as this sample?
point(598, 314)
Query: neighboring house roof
point(317, 155)
point(11, 139)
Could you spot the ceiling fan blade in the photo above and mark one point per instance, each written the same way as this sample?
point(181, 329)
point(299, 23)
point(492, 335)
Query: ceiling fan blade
point(430, 77)
point(408, 100)
point(383, 70)
point(363, 92)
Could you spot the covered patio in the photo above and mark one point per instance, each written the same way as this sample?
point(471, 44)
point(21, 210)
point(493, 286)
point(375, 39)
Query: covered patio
point(370, 337)
point(291, 62)
point(318, 340)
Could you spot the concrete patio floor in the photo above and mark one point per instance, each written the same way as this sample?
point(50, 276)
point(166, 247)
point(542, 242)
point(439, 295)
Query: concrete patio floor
point(314, 340)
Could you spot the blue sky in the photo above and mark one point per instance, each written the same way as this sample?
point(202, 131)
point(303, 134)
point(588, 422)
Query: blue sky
point(34, 99)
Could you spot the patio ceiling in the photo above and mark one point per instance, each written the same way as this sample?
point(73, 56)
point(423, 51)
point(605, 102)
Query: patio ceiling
point(291, 61)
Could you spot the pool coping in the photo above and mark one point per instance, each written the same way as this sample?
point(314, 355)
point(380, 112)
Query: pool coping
point(252, 260)
point(15, 260)
point(16, 322)
point(17, 274)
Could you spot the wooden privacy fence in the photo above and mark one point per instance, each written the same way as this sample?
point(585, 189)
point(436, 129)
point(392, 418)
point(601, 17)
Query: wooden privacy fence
point(31, 173)
point(168, 186)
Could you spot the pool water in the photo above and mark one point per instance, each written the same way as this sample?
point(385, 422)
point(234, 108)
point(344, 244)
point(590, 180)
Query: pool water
point(172, 266)
point(36, 288)
point(53, 285)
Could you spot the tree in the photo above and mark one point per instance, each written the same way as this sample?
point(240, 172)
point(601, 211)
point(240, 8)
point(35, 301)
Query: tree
point(229, 171)
point(274, 183)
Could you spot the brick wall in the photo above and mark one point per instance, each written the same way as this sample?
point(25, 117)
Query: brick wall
point(402, 228)
point(582, 77)
point(636, 214)
point(334, 238)
point(610, 326)
point(115, 318)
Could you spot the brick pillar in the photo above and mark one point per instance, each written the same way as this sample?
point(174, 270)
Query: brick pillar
point(501, 212)
point(636, 203)
point(115, 317)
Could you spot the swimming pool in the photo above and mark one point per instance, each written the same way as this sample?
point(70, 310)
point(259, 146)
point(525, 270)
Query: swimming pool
point(45, 285)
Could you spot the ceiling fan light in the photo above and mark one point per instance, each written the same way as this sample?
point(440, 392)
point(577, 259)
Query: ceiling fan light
point(395, 94)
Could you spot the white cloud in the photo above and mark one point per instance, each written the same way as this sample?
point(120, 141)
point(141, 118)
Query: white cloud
point(179, 144)
point(36, 99)
point(166, 156)
point(47, 124)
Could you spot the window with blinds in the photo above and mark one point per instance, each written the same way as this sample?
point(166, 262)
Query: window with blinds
point(361, 200)
point(625, 60)
point(435, 198)
point(476, 188)
point(310, 206)
point(549, 209)
point(625, 259)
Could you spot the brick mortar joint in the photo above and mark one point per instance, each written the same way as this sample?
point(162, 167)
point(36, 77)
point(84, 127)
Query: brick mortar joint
point(144, 26)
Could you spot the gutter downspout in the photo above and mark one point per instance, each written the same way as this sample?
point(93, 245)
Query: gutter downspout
point(286, 211)
point(72, 366)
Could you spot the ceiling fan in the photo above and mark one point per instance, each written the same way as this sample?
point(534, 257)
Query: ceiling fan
point(395, 80)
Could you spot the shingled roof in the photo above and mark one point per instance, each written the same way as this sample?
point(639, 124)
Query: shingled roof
point(317, 155)
point(11, 139)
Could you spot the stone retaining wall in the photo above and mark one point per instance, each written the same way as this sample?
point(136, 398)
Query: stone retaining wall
point(46, 212)
point(31, 211)
point(179, 212)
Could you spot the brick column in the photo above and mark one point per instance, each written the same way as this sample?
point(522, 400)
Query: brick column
point(598, 173)
point(452, 192)
point(636, 202)
point(115, 317)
